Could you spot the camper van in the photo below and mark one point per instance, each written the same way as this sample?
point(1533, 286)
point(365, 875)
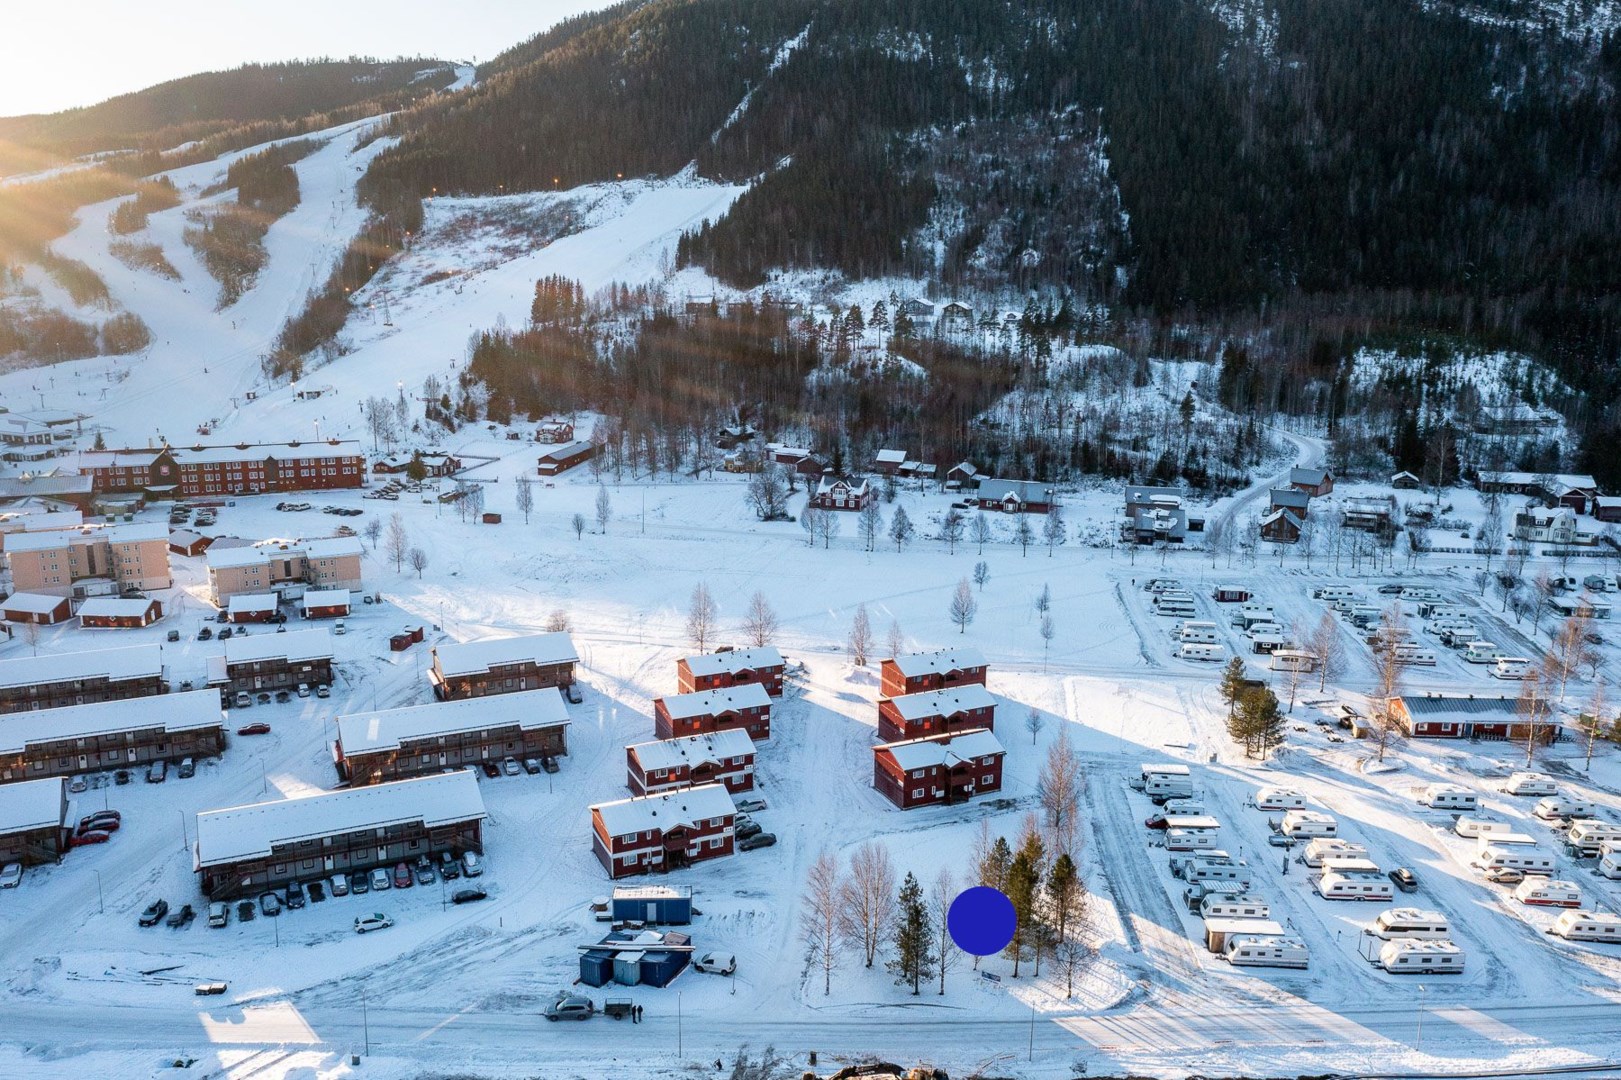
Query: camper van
point(1510, 667)
point(1249, 950)
point(1410, 922)
point(1479, 826)
point(1231, 875)
point(1449, 797)
point(1210, 654)
point(1165, 781)
point(1293, 660)
point(1563, 806)
point(1234, 906)
point(1609, 863)
point(1416, 655)
point(1525, 783)
point(1482, 652)
point(1329, 847)
point(1305, 824)
point(1173, 807)
point(1353, 885)
point(1543, 893)
point(1527, 860)
point(1277, 798)
point(1334, 592)
point(1417, 956)
point(1192, 839)
point(1198, 633)
point(1587, 926)
point(1588, 836)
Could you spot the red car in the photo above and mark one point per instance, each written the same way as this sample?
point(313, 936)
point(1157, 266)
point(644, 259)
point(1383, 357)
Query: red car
point(101, 815)
point(84, 839)
point(402, 876)
point(1156, 822)
point(254, 729)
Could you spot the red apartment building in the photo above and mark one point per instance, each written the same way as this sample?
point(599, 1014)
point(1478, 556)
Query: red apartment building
point(243, 469)
point(746, 707)
point(718, 757)
point(916, 672)
point(935, 712)
point(712, 671)
point(943, 769)
point(663, 832)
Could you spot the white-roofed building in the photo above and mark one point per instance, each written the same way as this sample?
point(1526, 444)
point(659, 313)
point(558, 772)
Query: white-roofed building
point(112, 613)
point(913, 673)
point(745, 707)
point(275, 661)
point(717, 757)
point(34, 824)
point(395, 744)
point(73, 562)
point(942, 769)
point(80, 678)
point(286, 567)
point(733, 667)
point(244, 850)
point(45, 609)
point(936, 712)
point(244, 469)
point(111, 735)
point(252, 607)
point(663, 832)
point(326, 603)
point(503, 665)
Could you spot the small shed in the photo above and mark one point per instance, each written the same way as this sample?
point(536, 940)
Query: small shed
point(1217, 931)
point(326, 603)
point(252, 608)
point(109, 613)
point(660, 968)
point(654, 905)
point(491, 518)
point(186, 542)
point(628, 968)
point(1232, 594)
point(38, 608)
point(1405, 481)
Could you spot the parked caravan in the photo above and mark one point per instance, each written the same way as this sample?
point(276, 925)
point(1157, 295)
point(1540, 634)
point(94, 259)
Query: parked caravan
point(1209, 654)
point(1198, 633)
point(1545, 893)
point(1171, 596)
point(1482, 652)
point(1176, 609)
point(1365, 612)
point(1346, 603)
point(1525, 783)
point(1180, 861)
point(1217, 931)
point(1563, 806)
point(1191, 839)
point(1416, 655)
point(1344, 863)
point(1504, 839)
point(1230, 875)
point(1407, 922)
point(1234, 906)
point(1264, 630)
point(1416, 956)
point(1293, 660)
point(1267, 644)
point(1189, 821)
point(1162, 584)
point(1164, 786)
point(1175, 807)
point(1334, 592)
point(1587, 926)
point(1524, 858)
point(1352, 885)
point(1329, 846)
point(1438, 609)
point(1160, 775)
point(1449, 797)
point(1246, 950)
point(1510, 667)
point(1247, 617)
point(1420, 593)
point(1277, 798)
point(1609, 863)
point(1459, 637)
point(1589, 835)
point(1451, 622)
point(1480, 826)
point(1304, 824)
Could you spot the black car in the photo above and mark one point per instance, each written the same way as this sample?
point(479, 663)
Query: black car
point(759, 840)
point(154, 913)
point(468, 896)
point(121, 777)
point(491, 769)
point(283, 696)
point(748, 830)
point(205, 634)
point(295, 895)
point(1404, 879)
point(549, 763)
point(179, 920)
point(264, 698)
point(225, 633)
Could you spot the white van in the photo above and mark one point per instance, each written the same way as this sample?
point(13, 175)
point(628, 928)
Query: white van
point(1525, 783)
point(1449, 797)
point(1479, 826)
point(1416, 655)
point(1277, 798)
point(1482, 652)
point(1527, 860)
point(1252, 950)
point(1352, 885)
point(1410, 922)
point(1213, 654)
point(1330, 847)
point(1510, 667)
point(1198, 633)
point(1545, 893)
point(1587, 926)
point(1563, 806)
point(1417, 956)
point(1192, 839)
point(1304, 824)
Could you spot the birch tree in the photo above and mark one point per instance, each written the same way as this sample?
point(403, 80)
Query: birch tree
point(1059, 786)
point(397, 543)
point(900, 528)
point(947, 955)
point(1595, 718)
point(604, 508)
point(896, 640)
point(1387, 678)
point(1053, 528)
point(860, 640)
point(868, 898)
point(870, 525)
point(525, 497)
point(759, 621)
point(701, 616)
point(952, 527)
point(981, 531)
point(963, 606)
point(821, 916)
point(1328, 649)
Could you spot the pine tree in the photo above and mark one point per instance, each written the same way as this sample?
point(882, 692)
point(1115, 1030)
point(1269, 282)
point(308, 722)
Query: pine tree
point(1064, 891)
point(1023, 885)
point(1232, 683)
point(914, 958)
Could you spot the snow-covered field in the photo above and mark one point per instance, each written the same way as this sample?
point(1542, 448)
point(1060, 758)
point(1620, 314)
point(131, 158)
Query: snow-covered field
point(457, 990)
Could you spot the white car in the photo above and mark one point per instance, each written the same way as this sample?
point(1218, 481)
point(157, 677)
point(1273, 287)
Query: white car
point(375, 921)
point(716, 962)
point(11, 876)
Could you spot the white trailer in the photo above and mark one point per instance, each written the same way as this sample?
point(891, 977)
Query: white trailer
point(1278, 798)
point(1329, 847)
point(1410, 922)
point(1525, 783)
point(1475, 825)
point(1421, 594)
point(1217, 931)
point(1229, 875)
point(1248, 950)
point(1416, 655)
point(1527, 860)
point(1162, 584)
point(1563, 806)
point(1165, 780)
point(1191, 839)
point(1304, 824)
point(1332, 593)
point(1352, 885)
point(1181, 860)
point(1511, 667)
point(1234, 906)
point(1548, 893)
point(1609, 863)
point(1199, 633)
point(1205, 654)
point(1438, 611)
point(1175, 807)
point(1175, 608)
point(1293, 660)
point(1504, 839)
point(1587, 836)
point(1587, 926)
point(1350, 864)
point(1449, 797)
point(1482, 652)
point(1417, 956)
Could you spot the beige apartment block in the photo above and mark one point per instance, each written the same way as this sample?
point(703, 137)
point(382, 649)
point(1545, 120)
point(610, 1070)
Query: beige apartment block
point(68, 562)
point(325, 563)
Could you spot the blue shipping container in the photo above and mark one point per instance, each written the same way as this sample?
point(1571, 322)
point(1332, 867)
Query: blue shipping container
point(653, 906)
point(659, 968)
point(596, 968)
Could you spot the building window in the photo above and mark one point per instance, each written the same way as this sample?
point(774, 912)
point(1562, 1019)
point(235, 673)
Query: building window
point(917, 793)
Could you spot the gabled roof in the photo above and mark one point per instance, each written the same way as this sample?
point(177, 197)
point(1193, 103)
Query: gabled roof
point(1449, 708)
point(693, 750)
point(111, 607)
point(649, 812)
point(735, 661)
point(1281, 515)
point(246, 603)
point(386, 729)
point(474, 657)
point(1300, 475)
point(130, 662)
point(890, 457)
point(965, 467)
point(1561, 481)
point(711, 702)
point(1293, 499)
point(33, 603)
point(32, 804)
point(247, 832)
point(938, 662)
point(1025, 491)
point(947, 750)
point(295, 646)
point(566, 450)
point(190, 710)
point(88, 534)
point(948, 702)
point(319, 598)
point(828, 484)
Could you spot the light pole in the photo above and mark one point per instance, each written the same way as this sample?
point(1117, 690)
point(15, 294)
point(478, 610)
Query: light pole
point(101, 904)
point(185, 839)
point(678, 1024)
point(365, 1022)
point(1419, 1041)
point(1032, 1031)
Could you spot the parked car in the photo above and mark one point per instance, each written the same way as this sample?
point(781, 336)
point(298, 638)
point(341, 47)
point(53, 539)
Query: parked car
point(295, 895)
point(338, 885)
point(211, 988)
point(219, 914)
point(1505, 875)
point(1390, 590)
point(716, 963)
point(450, 867)
point(121, 777)
point(11, 875)
point(424, 875)
point(571, 1007)
point(179, 920)
point(510, 766)
point(270, 904)
point(381, 880)
point(323, 691)
point(283, 697)
point(88, 837)
point(491, 769)
point(1156, 822)
point(549, 764)
point(1404, 879)
point(225, 634)
point(339, 628)
point(205, 634)
point(154, 913)
point(260, 728)
point(468, 896)
point(359, 882)
point(572, 692)
point(174, 635)
point(402, 876)
point(264, 697)
point(751, 806)
point(303, 689)
point(101, 822)
point(472, 866)
point(78, 784)
point(365, 924)
point(747, 829)
point(759, 840)
point(101, 815)
point(244, 700)
point(188, 768)
point(531, 766)
point(1280, 840)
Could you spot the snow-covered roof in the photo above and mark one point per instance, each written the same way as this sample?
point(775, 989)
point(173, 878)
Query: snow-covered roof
point(529, 710)
point(131, 662)
point(32, 804)
point(33, 603)
point(218, 455)
point(947, 702)
point(320, 598)
point(890, 457)
point(247, 832)
point(28, 484)
point(946, 750)
point(828, 484)
point(1026, 491)
point(735, 661)
point(566, 450)
point(190, 710)
point(331, 547)
point(472, 657)
point(1291, 498)
point(110, 607)
point(220, 558)
point(690, 750)
point(1280, 515)
point(88, 534)
point(966, 468)
point(649, 812)
point(939, 662)
point(294, 646)
point(1457, 709)
point(1561, 481)
point(320, 547)
point(183, 538)
point(252, 603)
point(51, 519)
point(1302, 475)
point(721, 699)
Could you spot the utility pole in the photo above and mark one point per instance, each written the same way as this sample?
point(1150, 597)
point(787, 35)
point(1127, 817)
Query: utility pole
point(185, 840)
point(365, 1022)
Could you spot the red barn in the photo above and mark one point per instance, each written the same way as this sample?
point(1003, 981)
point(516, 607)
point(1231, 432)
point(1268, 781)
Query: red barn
point(663, 832)
point(747, 707)
point(914, 673)
point(717, 757)
point(935, 712)
point(943, 769)
point(735, 667)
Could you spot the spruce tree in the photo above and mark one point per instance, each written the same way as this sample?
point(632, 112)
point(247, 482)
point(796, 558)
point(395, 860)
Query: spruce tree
point(914, 957)
point(1232, 684)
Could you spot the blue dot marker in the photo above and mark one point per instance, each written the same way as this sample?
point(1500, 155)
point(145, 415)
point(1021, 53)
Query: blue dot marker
point(981, 920)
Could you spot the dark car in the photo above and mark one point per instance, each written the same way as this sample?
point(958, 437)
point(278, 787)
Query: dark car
point(98, 821)
point(121, 777)
point(450, 868)
point(260, 728)
point(110, 815)
point(283, 697)
point(759, 840)
point(491, 769)
point(205, 634)
point(179, 920)
point(264, 698)
point(174, 635)
point(402, 876)
point(1157, 822)
point(1390, 590)
point(549, 763)
point(1404, 879)
point(295, 895)
point(747, 830)
point(359, 883)
point(572, 692)
point(531, 766)
point(270, 904)
point(225, 633)
point(154, 913)
point(468, 896)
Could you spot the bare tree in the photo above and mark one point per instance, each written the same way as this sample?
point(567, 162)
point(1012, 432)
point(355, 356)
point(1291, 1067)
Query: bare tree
point(1033, 723)
point(768, 494)
point(577, 522)
point(900, 528)
point(1293, 676)
point(868, 897)
point(373, 530)
point(940, 899)
point(896, 640)
point(870, 525)
point(981, 531)
point(982, 574)
point(1534, 708)
point(1490, 533)
point(604, 508)
point(821, 921)
point(760, 621)
point(475, 500)
point(963, 606)
point(1023, 534)
point(701, 616)
point(1329, 650)
point(827, 527)
point(1505, 585)
point(1542, 590)
point(1047, 632)
point(1387, 675)
point(1053, 528)
point(1058, 789)
point(558, 622)
point(31, 636)
point(398, 542)
point(1570, 651)
point(1483, 581)
point(860, 643)
point(418, 559)
point(525, 497)
point(952, 526)
point(808, 520)
point(1594, 718)
point(1074, 956)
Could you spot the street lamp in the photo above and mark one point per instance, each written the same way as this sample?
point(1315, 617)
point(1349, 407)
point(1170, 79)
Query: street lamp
point(1419, 1041)
point(100, 903)
point(185, 840)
